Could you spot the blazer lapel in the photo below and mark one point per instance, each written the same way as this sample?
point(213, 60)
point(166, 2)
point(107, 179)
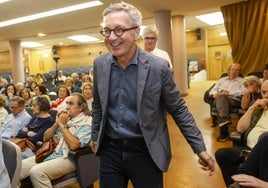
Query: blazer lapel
point(143, 69)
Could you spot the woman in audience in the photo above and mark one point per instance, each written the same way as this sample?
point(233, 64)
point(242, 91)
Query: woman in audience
point(252, 92)
point(3, 111)
point(87, 91)
point(73, 128)
point(38, 78)
point(40, 89)
point(26, 95)
point(32, 86)
point(39, 123)
point(69, 82)
point(10, 92)
point(254, 171)
point(60, 103)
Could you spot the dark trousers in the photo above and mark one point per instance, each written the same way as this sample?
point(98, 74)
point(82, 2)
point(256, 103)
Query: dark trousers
point(122, 160)
point(223, 104)
point(229, 160)
point(257, 162)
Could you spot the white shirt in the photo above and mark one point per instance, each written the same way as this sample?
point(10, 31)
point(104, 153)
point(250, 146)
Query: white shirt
point(235, 87)
point(163, 54)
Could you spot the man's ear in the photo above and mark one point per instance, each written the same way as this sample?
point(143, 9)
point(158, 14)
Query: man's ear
point(137, 33)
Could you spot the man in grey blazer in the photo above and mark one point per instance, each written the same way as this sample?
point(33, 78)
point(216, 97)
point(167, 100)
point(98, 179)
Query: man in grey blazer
point(132, 92)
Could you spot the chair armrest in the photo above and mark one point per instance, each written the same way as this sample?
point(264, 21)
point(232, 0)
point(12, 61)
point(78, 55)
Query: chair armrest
point(74, 155)
point(86, 166)
point(237, 138)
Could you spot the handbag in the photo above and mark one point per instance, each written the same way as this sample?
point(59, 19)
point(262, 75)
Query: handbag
point(22, 143)
point(46, 149)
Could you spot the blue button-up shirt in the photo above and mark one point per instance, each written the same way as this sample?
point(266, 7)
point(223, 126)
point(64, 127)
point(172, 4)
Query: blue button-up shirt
point(122, 121)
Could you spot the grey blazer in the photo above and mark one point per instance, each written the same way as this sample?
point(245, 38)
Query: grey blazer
point(156, 94)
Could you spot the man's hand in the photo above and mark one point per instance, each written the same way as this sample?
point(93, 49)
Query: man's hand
point(207, 162)
point(93, 146)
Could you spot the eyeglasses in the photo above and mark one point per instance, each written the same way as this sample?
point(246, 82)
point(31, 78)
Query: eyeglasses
point(118, 31)
point(13, 107)
point(150, 38)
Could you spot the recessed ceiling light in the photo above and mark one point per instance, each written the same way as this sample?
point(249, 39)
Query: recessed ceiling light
point(31, 44)
point(50, 13)
point(83, 38)
point(41, 34)
point(3, 1)
point(223, 34)
point(215, 18)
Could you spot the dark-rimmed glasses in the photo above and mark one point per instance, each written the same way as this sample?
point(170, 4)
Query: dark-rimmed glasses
point(150, 38)
point(118, 31)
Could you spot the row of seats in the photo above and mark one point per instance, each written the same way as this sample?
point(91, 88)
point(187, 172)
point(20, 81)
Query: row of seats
point(85, 160)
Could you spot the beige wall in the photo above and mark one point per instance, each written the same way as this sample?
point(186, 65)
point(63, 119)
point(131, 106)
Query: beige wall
point(83, 55)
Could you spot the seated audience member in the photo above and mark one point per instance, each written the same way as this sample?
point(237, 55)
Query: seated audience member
point(10, 92)
point(253, 123)
point(3, 111)
point(87, 91)
point(19, 86)
point(73, 128)
point(227, 92)
point(26, 95)
point(3, 84)
point(70, 85)
point(28, 81)
point(39, 123)
point(254, 171)
point(32, 86)
point(86, 78)
point(265, 73)
point(76, 79)
point(252, 92)
point(150, 34)
point(60, 103)
point(4, 177)
point(39, 78)
point(60, 76)
point(40, 89)
point(17, 119)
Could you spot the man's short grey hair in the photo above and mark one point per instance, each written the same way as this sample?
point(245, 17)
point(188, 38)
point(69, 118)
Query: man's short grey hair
point(133, 12)
point(150, 29)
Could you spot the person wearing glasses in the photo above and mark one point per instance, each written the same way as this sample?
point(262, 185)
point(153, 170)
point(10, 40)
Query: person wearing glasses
point(132, 91)
point(150, 34)
point(17, 119)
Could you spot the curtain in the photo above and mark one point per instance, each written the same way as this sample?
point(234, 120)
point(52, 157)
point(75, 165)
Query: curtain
point(246, 25)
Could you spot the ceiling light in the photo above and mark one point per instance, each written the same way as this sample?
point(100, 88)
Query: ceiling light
point(50, 13)
point(83, 38)
point(3, 1)
point(215, 18)
point(223, 34)
point(31, 44)
point(41, 34)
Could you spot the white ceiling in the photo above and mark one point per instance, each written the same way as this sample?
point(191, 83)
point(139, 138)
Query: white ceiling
point(87, 21)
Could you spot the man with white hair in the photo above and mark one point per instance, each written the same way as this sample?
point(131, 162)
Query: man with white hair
point(150, 34)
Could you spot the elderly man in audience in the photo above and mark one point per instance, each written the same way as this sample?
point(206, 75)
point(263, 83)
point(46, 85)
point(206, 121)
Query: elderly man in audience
point(253, 124)
point(227, 93)
point(17, 119)
point(73, 128)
